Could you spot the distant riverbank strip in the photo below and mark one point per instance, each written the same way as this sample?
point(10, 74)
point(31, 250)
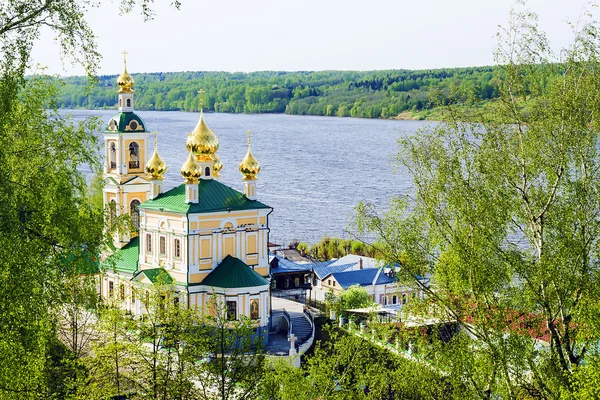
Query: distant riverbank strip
point(387, 94)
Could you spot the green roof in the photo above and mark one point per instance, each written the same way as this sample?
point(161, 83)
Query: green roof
point(212, 196)
point(154, 274)
point(233, 273)
point(123, 119)
point(127, 257)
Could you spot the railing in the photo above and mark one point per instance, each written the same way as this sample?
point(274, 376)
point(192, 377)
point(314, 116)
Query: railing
point(286, 315)
point(305, 346)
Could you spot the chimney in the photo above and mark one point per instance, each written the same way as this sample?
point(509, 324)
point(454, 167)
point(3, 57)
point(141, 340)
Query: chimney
point(360, 263)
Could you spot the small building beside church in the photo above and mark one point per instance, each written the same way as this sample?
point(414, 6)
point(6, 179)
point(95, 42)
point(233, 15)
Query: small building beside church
point(211, 239)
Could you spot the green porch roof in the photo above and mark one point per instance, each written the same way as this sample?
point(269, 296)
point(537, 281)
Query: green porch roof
point(233, 273)
point(127, 257)
point(154, 274)
point(212, 194)
point(122, 120)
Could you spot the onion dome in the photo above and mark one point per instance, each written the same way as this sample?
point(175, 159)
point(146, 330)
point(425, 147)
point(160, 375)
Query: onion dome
point(249, 167)
point(191, 170)
point(202, 141)
point(156, 167)
point(217, 165)
point(125, 81)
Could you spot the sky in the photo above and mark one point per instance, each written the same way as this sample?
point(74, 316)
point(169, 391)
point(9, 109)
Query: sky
point(307, 35)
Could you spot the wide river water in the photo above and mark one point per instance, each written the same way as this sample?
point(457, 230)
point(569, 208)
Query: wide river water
point(315, 170)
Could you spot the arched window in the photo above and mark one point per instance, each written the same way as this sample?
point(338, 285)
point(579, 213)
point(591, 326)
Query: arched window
point(207, 171)
point(112, 216)
point(128, 102)
point(385, 300)
point(394, 299)
point(134, 214)
point(404, 298)
point(120, 102)
point(112, 156)
point(134, 155)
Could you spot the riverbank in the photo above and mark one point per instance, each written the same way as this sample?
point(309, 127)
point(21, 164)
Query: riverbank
point(434, 114)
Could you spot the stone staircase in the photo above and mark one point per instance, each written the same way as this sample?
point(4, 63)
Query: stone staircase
point(300, 326)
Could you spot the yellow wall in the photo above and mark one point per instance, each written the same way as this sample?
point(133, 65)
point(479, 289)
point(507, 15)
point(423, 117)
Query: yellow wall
point(229, 246)
point(263, 271)
point(251, 245)
point(197, 278)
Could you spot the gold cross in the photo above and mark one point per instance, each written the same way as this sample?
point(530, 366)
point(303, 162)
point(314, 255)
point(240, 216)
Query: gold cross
point(200, 92)
point(248, 138)
point(124, 57)
point(155, 139)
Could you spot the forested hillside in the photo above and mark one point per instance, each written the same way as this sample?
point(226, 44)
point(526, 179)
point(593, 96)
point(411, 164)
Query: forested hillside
point(367, 94)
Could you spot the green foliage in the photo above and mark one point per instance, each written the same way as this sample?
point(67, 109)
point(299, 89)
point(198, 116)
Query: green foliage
point(354, 297)
point(504, 219)
point(370, 94)
point(329, 248)
point(348, 367)
point(49, 232)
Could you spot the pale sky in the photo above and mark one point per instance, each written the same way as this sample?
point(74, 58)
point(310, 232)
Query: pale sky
point(258, 35)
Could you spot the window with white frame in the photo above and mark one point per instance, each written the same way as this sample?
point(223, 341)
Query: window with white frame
point(177, 248)
point(162, 246)
point(148, 243)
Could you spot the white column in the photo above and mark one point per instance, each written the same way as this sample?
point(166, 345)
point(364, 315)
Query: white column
point(156, 188)
point(250, 189)
point(191, 192)
point(215, 256)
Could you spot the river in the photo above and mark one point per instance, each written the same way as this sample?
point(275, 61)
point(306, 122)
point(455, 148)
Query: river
point(315, 170)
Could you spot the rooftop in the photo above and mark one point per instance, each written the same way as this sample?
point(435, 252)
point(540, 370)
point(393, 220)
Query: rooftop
point(213, 196)
point(362, 277)
point(126, 258)
point(233, 273)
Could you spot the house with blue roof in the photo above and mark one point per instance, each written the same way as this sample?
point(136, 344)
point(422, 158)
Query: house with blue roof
point(289, 279)
point(352, 270)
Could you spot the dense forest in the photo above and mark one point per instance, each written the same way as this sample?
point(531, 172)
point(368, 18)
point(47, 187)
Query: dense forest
point(366, 94)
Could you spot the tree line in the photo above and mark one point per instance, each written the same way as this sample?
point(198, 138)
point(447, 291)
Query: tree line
point(365, 94)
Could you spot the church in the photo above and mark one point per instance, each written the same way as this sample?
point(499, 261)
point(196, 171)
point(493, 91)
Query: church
point(210, 239)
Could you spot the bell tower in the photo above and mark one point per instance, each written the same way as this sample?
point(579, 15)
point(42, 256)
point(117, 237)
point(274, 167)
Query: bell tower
point(126, 146)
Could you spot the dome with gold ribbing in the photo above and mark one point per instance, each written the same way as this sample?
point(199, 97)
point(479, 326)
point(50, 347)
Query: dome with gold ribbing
point(202, 141)
point(191, 170)
point(125, 81)
point(249, 167)
point(156, 167)
point(217, 165)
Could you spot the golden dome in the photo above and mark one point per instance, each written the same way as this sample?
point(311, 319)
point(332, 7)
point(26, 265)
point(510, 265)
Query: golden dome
point(202, 141)
point(156, 167)
point(125, 81)
point(249, 167)
point(217, 165)
point(191, 170)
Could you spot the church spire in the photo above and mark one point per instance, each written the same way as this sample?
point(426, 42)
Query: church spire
point(249, 167)
point(125, 83)
point(203, 144)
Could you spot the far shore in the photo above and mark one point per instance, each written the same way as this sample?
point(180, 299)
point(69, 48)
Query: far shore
point(425, 115)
